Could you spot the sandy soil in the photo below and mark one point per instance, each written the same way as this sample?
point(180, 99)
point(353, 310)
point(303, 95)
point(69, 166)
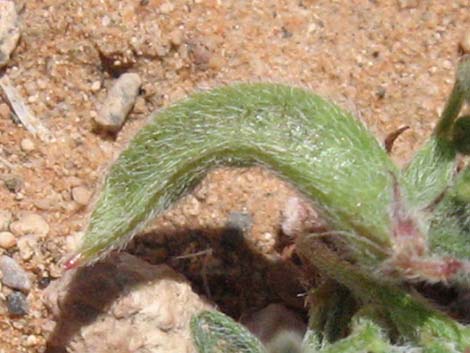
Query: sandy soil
point(390, 62)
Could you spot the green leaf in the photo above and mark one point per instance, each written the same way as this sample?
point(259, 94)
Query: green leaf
point(326, 153)
point(214, 332)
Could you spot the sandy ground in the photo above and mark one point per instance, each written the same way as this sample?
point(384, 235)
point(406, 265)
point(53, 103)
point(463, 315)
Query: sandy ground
point(390, 62)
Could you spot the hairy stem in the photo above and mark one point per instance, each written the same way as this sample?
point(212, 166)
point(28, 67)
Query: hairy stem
point(414, 318)
point(432, 169)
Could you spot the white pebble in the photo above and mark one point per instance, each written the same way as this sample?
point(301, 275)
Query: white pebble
point(7, 240)
point(95, 86)
point(30, 223)
point(81, 195)
point(27, 145)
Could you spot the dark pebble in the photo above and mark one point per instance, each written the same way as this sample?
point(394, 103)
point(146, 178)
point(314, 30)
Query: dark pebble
point(380, 93)
point(13, 184)
point(17, 304)
point(240, 220)
point(44, 282)
point(238, 223)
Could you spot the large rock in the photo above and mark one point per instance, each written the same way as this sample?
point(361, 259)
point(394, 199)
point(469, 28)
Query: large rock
point(120, 306)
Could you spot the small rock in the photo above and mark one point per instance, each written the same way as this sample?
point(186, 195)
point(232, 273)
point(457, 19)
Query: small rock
point(380, 93)
point(464, 43)
point(240, 220)
point(9, 30)
point(149, 90)
point(166, 8)
point(102, 306)
point(200, 55)
point(30, 341)
point(407, 4)
point(43, 282)
point(272, 320)
point(81, 195)
point(140, 106)
point(28, 246)
point(27, 145)
point(7, 240)
point(95, 86)
point(119, 102)
point(51, 202)
point(13, 275)
point(5, 220)
point(13, 183)
point(176, 37)
point(17, 304)
point(299, 217)
point(30, 223)
point(5, 111)
point(115, 57)
point(232, 237)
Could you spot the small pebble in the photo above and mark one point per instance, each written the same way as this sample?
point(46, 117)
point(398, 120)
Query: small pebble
point(176, 37)
point(43, 282)
point(27, 247)
point(5, 111)
point(447, 64)
point(7, 240)
point(95, 86)
point(233, 236)
point(5, 220)
point(13, 183)
point(9, 30)
point(30, 223)
point(27, 145)
point(13, 275)
point(380, 93)
point(81, 195)
point(30, 341)
point(191, 207)
point(119, 102)
point(464, 43)
point(140, 105)
point(200, 55)
point(240, 220)
point(166, 8)
point(407, 4)
point(17, 304)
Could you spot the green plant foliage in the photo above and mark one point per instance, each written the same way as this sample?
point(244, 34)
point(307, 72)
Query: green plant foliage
point(395, 226)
